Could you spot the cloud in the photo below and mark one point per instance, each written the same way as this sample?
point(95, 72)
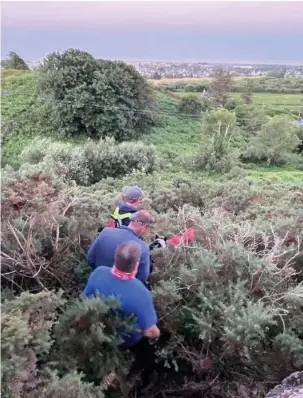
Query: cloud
point(201, 16)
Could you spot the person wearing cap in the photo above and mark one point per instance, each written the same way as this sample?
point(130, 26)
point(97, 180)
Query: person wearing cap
point(135, 299)
point(129, 205)
point(102, 251)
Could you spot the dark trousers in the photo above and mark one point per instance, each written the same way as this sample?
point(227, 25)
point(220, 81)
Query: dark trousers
point(144, 359)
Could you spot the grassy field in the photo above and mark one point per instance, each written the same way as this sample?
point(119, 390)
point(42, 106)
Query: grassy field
point(273, 104)
point(194, 80)
point(271, 99)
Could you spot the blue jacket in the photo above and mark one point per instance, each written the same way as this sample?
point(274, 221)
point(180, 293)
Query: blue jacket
point(126, 208)
point(102, 251)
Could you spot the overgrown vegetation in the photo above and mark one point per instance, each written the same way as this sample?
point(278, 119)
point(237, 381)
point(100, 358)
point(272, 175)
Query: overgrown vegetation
point(230, 305)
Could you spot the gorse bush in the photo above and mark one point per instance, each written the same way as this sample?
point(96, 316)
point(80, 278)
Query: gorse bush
point(240, 326)
point(88, 328)
point(221, 302)
point(97, 97)
point(26, 324)
point(92, 161)
point(32, 334)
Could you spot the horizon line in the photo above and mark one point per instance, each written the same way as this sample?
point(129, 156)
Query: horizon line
point(209, 62)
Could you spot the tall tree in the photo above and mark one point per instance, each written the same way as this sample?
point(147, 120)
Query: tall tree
point(101, 98)
point(220, 87)
point(14, 61)
point(247, 94)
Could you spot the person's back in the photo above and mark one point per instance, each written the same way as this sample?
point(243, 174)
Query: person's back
point(135, 299)
point(102, 251)
point(134, 296)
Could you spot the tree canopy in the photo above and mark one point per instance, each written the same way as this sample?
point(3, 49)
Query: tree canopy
point(101, 98)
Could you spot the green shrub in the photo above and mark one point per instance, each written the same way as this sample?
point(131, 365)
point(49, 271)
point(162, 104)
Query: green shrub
point(232, 103)
point(86, 339)
point(92, 161)
point(219, 135)
point(109, 159)
point(26, 324)
point(222, 298)
point(41, 354)
point(70, 385)
point(190, 105)
point(250, 118)
point(273, 144)
point(210, 162)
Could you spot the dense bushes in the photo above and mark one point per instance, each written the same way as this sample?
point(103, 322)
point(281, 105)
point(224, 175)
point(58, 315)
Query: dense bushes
point(238, 328)
point(274, 143)
point(92, 161)
point(38, 349)
point(100, 98)
point(230, 341)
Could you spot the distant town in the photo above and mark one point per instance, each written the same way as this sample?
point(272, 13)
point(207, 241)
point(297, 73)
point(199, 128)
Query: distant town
point(161, 70)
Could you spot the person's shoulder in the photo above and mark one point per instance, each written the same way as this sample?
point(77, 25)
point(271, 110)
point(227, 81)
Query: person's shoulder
point(107, 231)
point(101, 271)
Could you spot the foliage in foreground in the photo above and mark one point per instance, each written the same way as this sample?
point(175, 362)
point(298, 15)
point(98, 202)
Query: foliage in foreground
point(246, 254)
point(40, 337)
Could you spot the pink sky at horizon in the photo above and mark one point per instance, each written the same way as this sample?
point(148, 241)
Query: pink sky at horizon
point(201, 15)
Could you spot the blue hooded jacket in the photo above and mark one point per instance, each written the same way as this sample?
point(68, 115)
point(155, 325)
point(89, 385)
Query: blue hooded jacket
point(126, 208)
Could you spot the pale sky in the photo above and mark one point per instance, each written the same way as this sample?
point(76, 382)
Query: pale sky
point(206, 31)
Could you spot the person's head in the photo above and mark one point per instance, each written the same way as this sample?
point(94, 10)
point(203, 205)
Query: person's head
point(141, 222)
point(133, 196)
point(127, 257)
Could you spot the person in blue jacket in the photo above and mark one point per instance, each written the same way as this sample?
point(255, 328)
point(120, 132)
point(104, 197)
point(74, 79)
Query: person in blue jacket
point(132, 200)
point(102, 251)
point(120, 281)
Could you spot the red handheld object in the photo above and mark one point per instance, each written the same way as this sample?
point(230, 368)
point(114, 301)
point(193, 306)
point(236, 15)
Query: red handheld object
point(185, 238)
